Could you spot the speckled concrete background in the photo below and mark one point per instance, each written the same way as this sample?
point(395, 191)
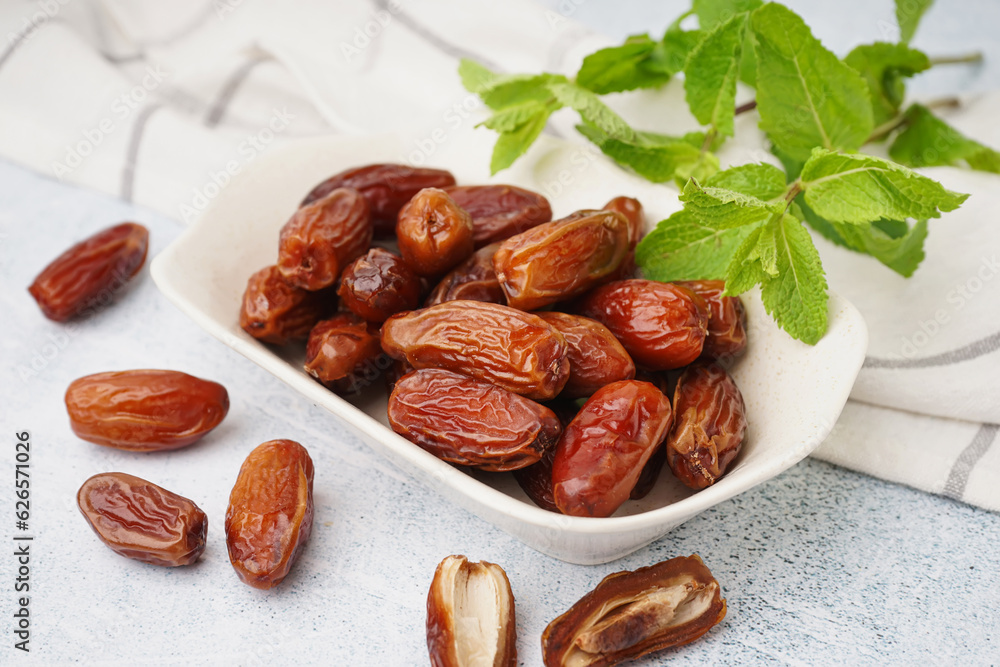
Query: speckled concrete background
point(819, 566)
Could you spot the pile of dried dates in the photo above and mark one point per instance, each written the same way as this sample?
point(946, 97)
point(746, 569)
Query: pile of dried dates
point(511, 341)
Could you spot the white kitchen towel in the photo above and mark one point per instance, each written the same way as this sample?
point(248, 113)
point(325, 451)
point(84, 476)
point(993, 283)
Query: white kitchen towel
point(164, 103)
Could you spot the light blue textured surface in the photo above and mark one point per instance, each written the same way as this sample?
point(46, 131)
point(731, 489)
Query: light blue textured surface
point(819, 566)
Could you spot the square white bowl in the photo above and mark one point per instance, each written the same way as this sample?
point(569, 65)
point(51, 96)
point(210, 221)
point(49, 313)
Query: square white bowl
point(794, 392)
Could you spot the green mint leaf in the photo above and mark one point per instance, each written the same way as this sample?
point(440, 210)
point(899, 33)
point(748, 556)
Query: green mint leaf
point(704, 167)
point(515, 89)
point(511, 118)
point(744, 269)
point(928, 141)
point(792, 166)
point(806, 96)
point(856, 188)
point(883, 67)
point(681, 249)
point(620, 68)
point(671, 52)
point(763, 181)
point(713, 13)
point(720, 208)
point(656, 158)
point(908, 15)
point(892, 242)
point(513, 144)
point(475, 77)
point(711, 72)
point(593, 110)
point(796, 298)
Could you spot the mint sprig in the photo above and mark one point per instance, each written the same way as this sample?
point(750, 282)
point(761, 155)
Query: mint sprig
point(748, 224)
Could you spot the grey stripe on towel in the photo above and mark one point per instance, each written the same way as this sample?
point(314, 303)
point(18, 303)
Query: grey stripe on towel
point(971, 351)
point(958, 478)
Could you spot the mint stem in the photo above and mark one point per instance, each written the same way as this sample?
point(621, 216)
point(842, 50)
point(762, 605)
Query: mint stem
point(976, 57)
point(888, 127)
point(748, 106)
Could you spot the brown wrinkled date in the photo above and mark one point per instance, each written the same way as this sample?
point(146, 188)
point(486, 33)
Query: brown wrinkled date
point(275, 312)
point(343, 353)
point(662, 326)
point(710, 425)
point(632, 614)
point(514, 350)
point(471, 422)
point(596, 358)
point(270, 512)
point(561, 259)
point(321, 238)
point(88, 274)
point(603, 450)
point(433, 233)
point(387, 187)
point(473, 280)
point(727, 335)
point(500, 211)
point(379, 285)
point(145, 410)
point(140, 520)
point(632, 210)
point(470, 616)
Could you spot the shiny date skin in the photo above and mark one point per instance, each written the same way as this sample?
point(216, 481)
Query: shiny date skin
point(602, 452)
point(710, 425)
point(145, 410)
point(470, 616)
point(434, 233)
point(596, 358)
point(500, 211)
point(140, 520)
point(661, 325)
point(378, 285)
point(558, 260)
point(387, 187)
point(632, 210)
point(471, 422)
point(321, 238)
point(512, 349)
point(270, 512)
point(727, 334)
point(89, 273)
point(473, 280)
point(340, 350)
point(275, 312)
point(632, 614)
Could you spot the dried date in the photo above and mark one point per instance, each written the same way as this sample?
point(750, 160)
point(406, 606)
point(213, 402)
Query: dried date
point(509, 348)
point(145, 410)
point(727, 335)
point(473, 280)
point(321, 238)
point(561, 259)
point(662, 326)
point(632, 210)
point(275, 312)
point(140, 520)
point(470, 422)
point(596, 358)
point(387, 187)
point(602, 452)
point(709, 427)
point(90, 272)
point(379, 285)
point(270, 512)
point(500, 211)
point(470, 616)
point(632, 614)
point(434, 234)
point(344, 353)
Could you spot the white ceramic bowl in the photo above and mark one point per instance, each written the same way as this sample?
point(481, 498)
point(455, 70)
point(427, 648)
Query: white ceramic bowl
point(794, 392)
